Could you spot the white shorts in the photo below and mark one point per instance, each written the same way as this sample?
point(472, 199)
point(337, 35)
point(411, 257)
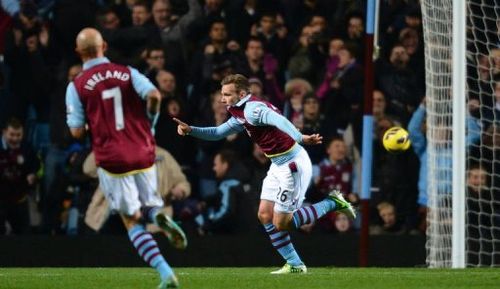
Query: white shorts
point(286, 184)
point(128, 192)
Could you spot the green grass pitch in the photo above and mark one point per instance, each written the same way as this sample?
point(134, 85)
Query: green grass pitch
point(255, 278)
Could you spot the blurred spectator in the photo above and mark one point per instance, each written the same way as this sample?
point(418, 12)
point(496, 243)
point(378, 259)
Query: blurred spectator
point(31, 54)
point(346, 88)
point(172, 186)
point(167, 84)
point(399, 83)
point(183, 151)
point(412, 41)
point(309, 53)
point(404, 16)
point(154, 57)
point(495, 60)
point(299, 13)
point(491, 113)
point(18, 168)
point(242, 15)
point(212, 10)
point(334, 172)
point(417, 130)
point(390, 223)
point(256, 64)
point(342, 224)
point(315, 122)
point(69, 18)
point(127, 42)
point(174, 28)
point(107, 19)
point(273, 34)
point(211, 61)
point(109, 24)
point(219, 212)
point(354, 33)
point(256, 88)
point(301, 63)
point(141, 13)
point(295, 91)
point(483, 216)
point(474, 122)
point(331, 66)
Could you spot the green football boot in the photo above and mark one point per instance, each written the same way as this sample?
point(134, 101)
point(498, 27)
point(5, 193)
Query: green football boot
point(341, 205)
point(289, 269)
point(173, 232)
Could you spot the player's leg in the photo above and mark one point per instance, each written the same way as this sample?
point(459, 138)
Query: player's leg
point(301, 170)
point(307, 215)
point(279, 239)
point(152, 207)
point(123, 196)
point(147, 248)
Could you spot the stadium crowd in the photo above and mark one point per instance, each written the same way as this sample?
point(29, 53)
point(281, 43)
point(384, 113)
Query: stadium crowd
point(304, 56)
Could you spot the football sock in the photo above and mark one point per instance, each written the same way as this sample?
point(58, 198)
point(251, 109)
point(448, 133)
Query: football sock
point(309, 214)
point(148, 249)
point(149, 213)
point(282, 243)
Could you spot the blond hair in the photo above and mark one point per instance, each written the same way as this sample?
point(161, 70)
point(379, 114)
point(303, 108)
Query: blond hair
point(240, 82)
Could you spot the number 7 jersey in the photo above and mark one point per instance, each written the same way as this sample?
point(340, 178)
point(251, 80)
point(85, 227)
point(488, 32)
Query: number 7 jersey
point(111, 102)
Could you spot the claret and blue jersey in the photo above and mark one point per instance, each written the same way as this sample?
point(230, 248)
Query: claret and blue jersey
point(109, 97)
point(276, 136)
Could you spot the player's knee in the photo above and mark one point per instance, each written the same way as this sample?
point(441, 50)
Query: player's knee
point(281, 226)
point(131, 220)
point(264, 217)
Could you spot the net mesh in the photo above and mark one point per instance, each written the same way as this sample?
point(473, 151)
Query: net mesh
point(483, 131)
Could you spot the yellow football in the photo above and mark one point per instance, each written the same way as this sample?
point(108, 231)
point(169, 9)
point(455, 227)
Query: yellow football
point(396, 139)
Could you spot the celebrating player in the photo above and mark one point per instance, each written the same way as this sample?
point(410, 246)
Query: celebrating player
point(110, 98)
point(285, 185)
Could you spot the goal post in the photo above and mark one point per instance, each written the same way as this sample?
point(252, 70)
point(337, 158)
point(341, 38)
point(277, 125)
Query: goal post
point(458, 133)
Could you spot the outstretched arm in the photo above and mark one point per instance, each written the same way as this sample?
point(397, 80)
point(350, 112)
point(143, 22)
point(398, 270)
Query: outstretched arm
point(259, 114)
point(209, 133)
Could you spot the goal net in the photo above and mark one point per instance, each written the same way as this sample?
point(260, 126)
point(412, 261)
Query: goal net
point(482, 137)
